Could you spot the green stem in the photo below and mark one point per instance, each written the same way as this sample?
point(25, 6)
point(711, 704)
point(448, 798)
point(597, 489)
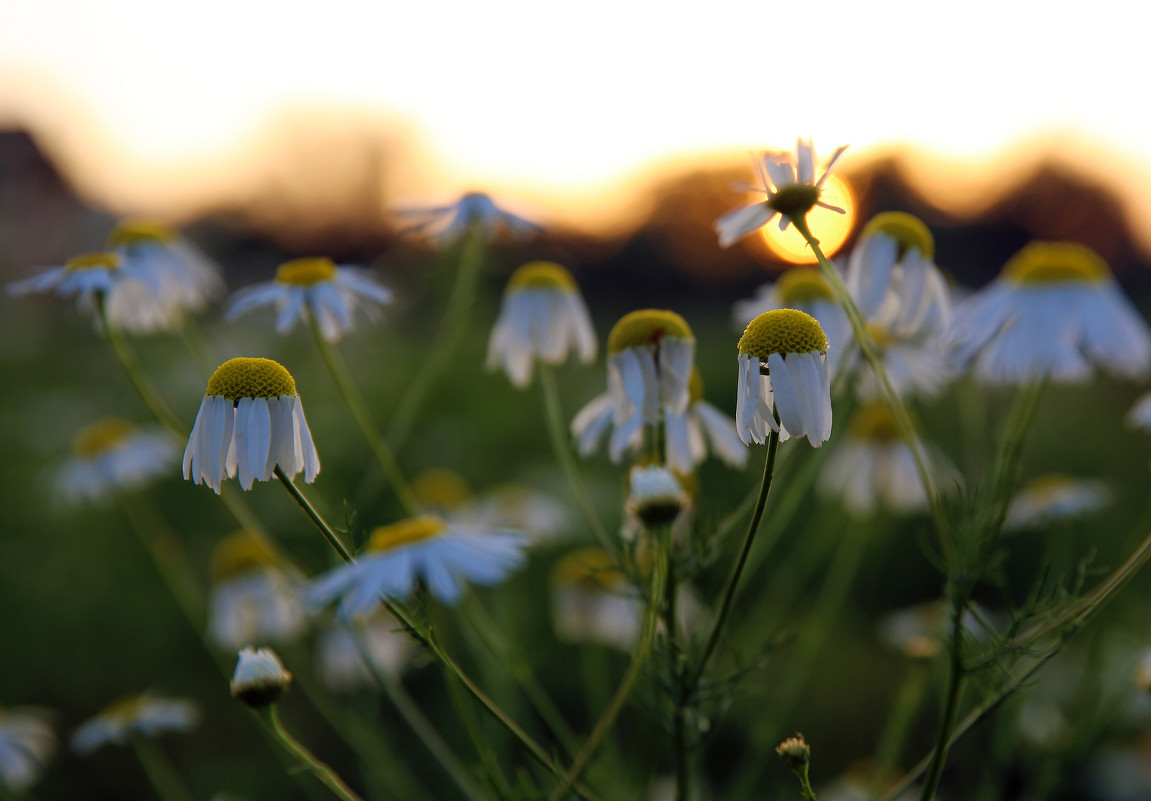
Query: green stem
point(347, 388)
point(271, 718)
point(682, 698)
point(951, 705)
point(161, 772)
point(329, 535)
point(167, 555)
point(898, 725)
point(194, 342)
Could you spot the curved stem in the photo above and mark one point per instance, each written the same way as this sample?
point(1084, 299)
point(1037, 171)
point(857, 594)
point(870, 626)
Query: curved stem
point(161, 772)
point(271, 718)
point(329, 535)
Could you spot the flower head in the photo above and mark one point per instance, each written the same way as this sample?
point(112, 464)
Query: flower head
point(783, 382)
point(542, 317)
point(1054, 311)
point(446, 224)
point(593, 601)
point(27, 742)
point(250, 422)
point(314, 288)
point(791, 189)
point(1055, 497)
point(423, 548)
point(260, 677)
point(656, 497)
point(253, 596)
point(112, 455)
point(145, 715)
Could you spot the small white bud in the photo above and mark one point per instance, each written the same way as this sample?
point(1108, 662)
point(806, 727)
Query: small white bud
point(260, 678)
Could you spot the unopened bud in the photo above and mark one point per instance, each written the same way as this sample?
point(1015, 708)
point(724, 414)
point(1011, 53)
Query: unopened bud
point(260, 678)
point(795, 751)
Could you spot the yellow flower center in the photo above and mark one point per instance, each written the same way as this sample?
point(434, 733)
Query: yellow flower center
point(240, 553)
point(645, 328)
point(542, 275)
point(251, 378)
point(405, 532)
point(306, 272)
point(695, 386)
point(1056, 262)
point(101, 437)
point(440, 488)
point(800, 286)
point(782, 331)
point(125, 709)
point(1049, 484)
point(589, 569)
point(908, 231)
point(93, 261)
point(874, 422)
point(134, 232)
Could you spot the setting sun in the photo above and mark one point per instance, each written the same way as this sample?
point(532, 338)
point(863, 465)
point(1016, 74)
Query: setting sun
point(829, 227)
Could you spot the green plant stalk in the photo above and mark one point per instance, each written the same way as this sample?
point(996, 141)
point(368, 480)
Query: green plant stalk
point(956, 674)
point(635, 668)
point(557, 430)
point(271, 718)
point(802, 774)
point(379, 446)
point(196, 345)
point(168, 556)
point(898, 725)
point(161, 772)
point(678, 669)
point(326, 530)
point(452, 325)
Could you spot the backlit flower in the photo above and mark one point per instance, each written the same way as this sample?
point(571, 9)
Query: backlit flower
point(250, 422)
point(113, 455)
point(1055, 497)
point(27, 742)
point(253, 597)
point(783, 374)
point(1054, 311)
point(314, 288)
point(446, 224)
point(542, 317)
point(144, 715)
point(420, 549)
point(791, 189)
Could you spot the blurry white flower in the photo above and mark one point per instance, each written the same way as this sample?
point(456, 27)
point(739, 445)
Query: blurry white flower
point(27, 742)
point(655, 496)
point(511, 506)
point(253, 597)
point(112, 455)
point(1140, 414)
point(1054, 497)
point(783, 371)
point(543, 317)
point(916, 366)
point(340, 660)
point(260, 677)
point(921, 631)
point(1120, 773)
point(314, 288)
point(145, 715)
point(419, 549)
point(1054, 311)
point(791, 189)
point(250, 422)
point(446, 224)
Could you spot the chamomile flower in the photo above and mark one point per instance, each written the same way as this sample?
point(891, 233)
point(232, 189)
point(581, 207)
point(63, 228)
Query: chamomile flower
point(783, 384)
point(542, 317)
point(144, 715)
point(420, 549)
point(130, 297)
point(260, 677)
point(916, 366)
point(656, 497)
point(893, 280)
point(513, 506)
point(314, 288)
point(27, 742)
point(1053, 498)
point(253, 596)
point(791, 189)
point(112, 455)
point(1055, 310)
point(340, 657)
point(250, 422)
point(446, 224)
point(921, 631)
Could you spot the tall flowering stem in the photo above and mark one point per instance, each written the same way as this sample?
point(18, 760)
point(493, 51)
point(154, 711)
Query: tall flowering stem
point(271, 718)
point(161, 772)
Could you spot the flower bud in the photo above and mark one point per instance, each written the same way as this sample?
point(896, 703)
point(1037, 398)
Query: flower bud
point(260, 678)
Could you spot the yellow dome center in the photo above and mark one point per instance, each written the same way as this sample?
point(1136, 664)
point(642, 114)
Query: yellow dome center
point(440, 488)
point(908, 231)
point(306, 272)
point(645, 328)
point(782, 331)
point(134, 232)
point(873, 422)
point(1054, 263)
point(251, 378)
point(125, 709)
point(589, 569)
point(101, 436)
point(93, 261)
point(405, 532)
point(240, 553)
point(800, 286)
point(542, 275)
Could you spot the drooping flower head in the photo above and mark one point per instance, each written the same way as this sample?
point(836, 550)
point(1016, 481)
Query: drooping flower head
point(27, 742)
point(314, 288)
point(250, 422)
point(446, 224)
point(783, 373)
point(145, 715)
point(1054, 311)
point(791, 189)
point(1053, 498)
point(253, 596)
point(113, 455)
point(543, 317)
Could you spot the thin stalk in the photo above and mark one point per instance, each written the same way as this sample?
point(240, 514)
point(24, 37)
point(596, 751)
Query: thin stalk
point(898, 725)
point(161, 772)
point(379, 446)
point(634, 669)
point(951, 705)
point(683, 694)
point(194, 342)
point(271, 718)
point(329, 535)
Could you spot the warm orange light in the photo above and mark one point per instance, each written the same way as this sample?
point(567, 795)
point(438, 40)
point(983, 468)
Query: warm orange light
point(830, 227)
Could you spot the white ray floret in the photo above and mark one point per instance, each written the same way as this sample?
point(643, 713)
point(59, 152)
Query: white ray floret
point(448, 223)
point(254, 596)
point(27, 742)
point(144, 715)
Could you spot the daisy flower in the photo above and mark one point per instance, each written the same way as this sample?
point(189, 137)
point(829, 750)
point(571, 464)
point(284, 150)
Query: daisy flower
point(893, 280)
point(1053, 498)
point(250, 422)
point(542, 317)
point(260, 677)
point(783, 384)
point(917, 367)
point(145, 715)
point(340, 662)
point(1054, 311)
point(512, 506)
point(253, 596)
point(447, 224)
point(791, 189)
point(656, 497)
point(419, 549)
point(112, 455)
point(27, 742)
point(314, 288)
